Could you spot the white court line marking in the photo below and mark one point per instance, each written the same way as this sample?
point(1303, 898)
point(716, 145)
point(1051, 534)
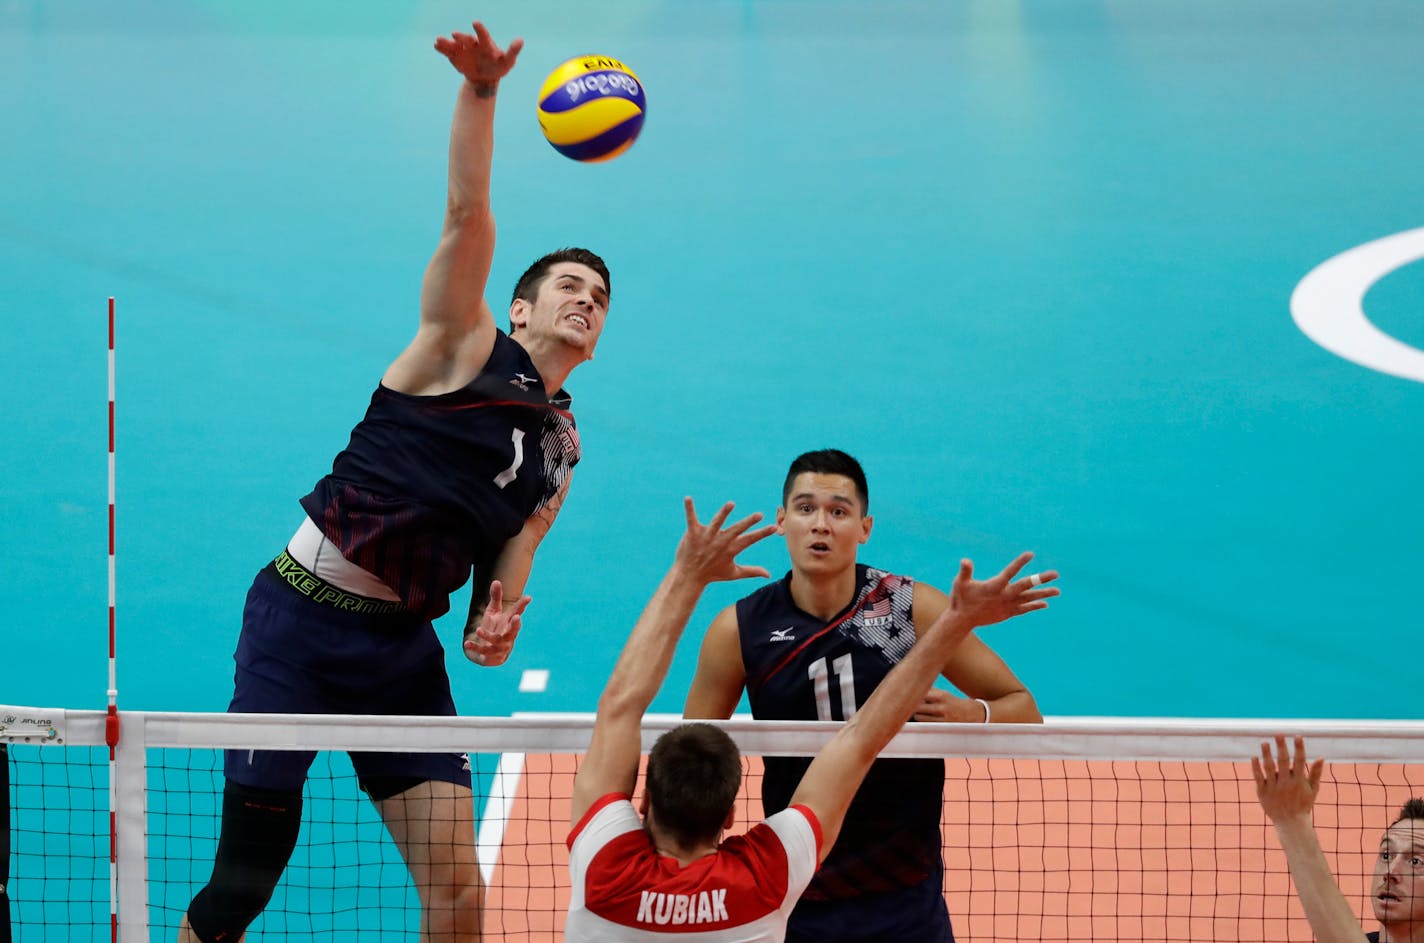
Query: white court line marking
point(1327, 305)
point(534, 680)
point(503, 791)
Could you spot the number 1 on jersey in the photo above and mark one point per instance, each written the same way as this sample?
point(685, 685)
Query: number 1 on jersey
point(820, 675)
point(508, 475)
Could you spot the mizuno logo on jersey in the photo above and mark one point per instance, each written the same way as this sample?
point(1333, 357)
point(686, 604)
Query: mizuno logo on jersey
point(521, 381)
point(783, 635)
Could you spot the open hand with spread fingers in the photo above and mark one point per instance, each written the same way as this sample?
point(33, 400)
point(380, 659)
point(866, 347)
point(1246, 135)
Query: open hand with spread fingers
point(490, 643)
point(478, 58)
point(1286, 784)
point(1002, 596)
point(708, 554)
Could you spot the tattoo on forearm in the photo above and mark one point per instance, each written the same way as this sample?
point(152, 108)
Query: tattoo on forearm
point(484, 89)
point(551, 507)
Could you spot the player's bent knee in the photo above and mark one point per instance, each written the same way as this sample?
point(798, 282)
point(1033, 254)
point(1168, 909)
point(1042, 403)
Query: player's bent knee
point(457, 889)
point(259, 832)
point(460, 912)
point(470, 898)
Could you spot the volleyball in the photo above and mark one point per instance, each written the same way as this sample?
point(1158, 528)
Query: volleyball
point(591, 108)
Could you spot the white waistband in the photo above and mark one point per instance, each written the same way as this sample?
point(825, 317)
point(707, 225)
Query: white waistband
point(311, 549)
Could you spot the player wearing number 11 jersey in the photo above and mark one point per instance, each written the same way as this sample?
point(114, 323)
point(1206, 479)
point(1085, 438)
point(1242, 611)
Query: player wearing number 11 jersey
point(665, 870)
point(814, 646)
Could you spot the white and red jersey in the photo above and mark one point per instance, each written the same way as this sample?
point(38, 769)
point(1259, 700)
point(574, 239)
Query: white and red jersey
point(623, 891)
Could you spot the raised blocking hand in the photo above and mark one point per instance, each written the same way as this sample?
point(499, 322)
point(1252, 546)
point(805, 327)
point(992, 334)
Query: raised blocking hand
point(1286, 785)
point(1002, 596)
point(707, 553)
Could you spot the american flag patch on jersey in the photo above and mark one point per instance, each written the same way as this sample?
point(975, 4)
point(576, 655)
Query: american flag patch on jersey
point(884, 617)
point(876, 607)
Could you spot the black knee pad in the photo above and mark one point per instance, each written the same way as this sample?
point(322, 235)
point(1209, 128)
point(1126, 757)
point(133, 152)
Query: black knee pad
point(259, 832)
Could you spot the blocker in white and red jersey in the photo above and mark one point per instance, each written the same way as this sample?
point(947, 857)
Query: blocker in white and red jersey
point(623, 891)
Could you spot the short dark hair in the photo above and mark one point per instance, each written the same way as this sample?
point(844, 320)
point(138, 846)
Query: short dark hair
point(527, 288)
point(829, 462)
point(694, 773)
point(1413, 809)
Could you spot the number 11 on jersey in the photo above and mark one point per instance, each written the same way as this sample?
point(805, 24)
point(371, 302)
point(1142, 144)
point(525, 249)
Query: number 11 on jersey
point(820, 673)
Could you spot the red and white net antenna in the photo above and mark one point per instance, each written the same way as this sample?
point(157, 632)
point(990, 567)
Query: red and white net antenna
point(111, 723)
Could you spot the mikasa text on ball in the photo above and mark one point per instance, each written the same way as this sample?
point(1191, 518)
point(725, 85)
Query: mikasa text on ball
point(591, 108)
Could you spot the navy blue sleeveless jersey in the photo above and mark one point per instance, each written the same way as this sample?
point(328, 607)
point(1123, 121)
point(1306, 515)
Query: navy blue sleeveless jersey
point(799, 667)
point(431, 486)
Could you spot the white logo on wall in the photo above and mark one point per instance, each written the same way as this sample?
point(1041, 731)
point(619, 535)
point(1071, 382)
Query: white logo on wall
point(1328, 305)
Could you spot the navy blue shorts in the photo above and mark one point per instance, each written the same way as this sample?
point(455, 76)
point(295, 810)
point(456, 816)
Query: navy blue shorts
point(296, 656)
point(914, 915)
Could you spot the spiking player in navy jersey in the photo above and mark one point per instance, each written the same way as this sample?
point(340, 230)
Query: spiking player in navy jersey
point(814, 646)
point(459, 466)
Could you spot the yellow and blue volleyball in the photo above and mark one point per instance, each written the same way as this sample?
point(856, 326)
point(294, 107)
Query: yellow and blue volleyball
point(591, 108)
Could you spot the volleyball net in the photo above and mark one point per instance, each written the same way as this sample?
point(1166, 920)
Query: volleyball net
point(1080, 829)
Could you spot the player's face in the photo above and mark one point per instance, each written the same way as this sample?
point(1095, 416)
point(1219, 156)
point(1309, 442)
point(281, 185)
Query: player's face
point(570, 306)
point(1398, 888)
point(823, 522)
